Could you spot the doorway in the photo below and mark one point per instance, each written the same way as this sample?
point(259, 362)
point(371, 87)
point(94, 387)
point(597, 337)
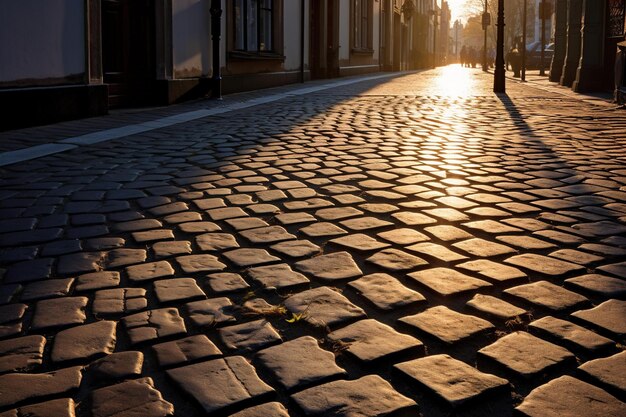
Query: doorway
point(324, 37)
point(128, 51)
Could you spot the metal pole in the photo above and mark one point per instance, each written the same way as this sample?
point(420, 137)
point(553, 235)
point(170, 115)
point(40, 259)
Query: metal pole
point(499, 85)
point(485, 68)
point(302, 41)
point(524, 44)
point(216, 31)
point(435, 38)
point(543, 37)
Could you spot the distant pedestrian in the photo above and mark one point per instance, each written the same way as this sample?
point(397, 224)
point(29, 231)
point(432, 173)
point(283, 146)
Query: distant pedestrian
point(463, 56)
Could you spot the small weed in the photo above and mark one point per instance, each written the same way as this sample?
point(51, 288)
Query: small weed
point(296, 317)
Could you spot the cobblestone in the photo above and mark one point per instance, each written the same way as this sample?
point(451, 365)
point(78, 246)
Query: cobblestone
point(337, 218)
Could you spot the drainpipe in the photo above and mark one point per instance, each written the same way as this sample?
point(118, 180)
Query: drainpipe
point(216, 31)
point(302, 4)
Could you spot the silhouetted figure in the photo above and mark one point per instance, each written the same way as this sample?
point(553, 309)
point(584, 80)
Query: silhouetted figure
point(514, 59)
point(463, 56)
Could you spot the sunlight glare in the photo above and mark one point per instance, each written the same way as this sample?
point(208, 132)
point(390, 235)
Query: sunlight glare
point(454, 80)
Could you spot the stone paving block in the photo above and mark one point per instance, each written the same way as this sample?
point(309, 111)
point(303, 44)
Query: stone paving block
point(272, 409)
point(21, 353)
point(84, 342)
point(617, 269)
point(46, 289)
point(403, 236)
point(245, 223)
point(173, 248)
point(225, 213)
point(576, 256)
point(452, 380)
point(359, 242)
point(337, 213)
point(59, 312)
point(369, 396)
point(211, 312)
point(17, 388)
point(278, 276)
point(97, 280)
point(149, 271)
point(609, 372)
point(152, 325)
point(27, 271)
point(597, 284)
point(287, 219)
point(12, 312)
point(386, 292)
point(153, 235)
point(296, 248)
point(396, 260)
point(544, 265)
point(331, 267)
point(569, 397)
point(608, 316)
point(322, 229)
point(137, 225)
point(246, 257)
point(491, 227)
point(177, 289)
point(118, 365)
point(249, 336)
point(267, 235)
point(119, 301)
point(571, 335)
point(525, 355)
point(448, 233)
point(439, 252)
point(323, 307)
point(560, 238)
point(63, 407)
point(188, 349)
point(233, 381)
point(199, 227)
point(546, 295)
point(525, 242)
point(369, 340)
point(447, 325)
point(493, 270)
point(413, 219)
point(483, 248)
point(447, 214)
point(123, 257)
point(495, 307)
point(447, 282)
point(224, 282)
point(131, 398)
point(365, 223)
point(200, 263)
point(299, 363)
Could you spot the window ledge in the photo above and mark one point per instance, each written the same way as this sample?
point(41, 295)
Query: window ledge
point(255, 56)
point(362, 51)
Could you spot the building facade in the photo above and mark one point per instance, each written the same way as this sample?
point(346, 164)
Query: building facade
point(63, 59)
point(586, 36)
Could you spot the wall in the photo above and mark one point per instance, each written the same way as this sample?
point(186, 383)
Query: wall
point(42, 42)
point(291, 51)
point(191, 38)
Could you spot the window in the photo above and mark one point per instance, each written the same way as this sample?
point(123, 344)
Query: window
point(363, 25)
point(253, 25)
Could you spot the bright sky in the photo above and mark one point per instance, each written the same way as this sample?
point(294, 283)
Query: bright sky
point(456, 8)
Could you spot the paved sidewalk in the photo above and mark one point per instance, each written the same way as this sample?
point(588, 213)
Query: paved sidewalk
point(413, 245)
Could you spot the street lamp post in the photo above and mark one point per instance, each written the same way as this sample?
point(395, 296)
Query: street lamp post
point(544, 12)
point(499, 85)
point(216, 31)
point(524, 43)
point(486, 24)
point(435, 37)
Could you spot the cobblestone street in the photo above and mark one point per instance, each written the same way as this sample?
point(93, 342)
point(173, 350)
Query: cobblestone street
point(405, 246)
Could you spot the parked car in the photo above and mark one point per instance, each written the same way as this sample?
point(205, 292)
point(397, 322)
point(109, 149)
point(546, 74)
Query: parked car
point(533, 55)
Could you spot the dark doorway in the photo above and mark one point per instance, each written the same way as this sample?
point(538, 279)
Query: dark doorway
point(397, 42)
point(128, 51)
point(324, 39)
